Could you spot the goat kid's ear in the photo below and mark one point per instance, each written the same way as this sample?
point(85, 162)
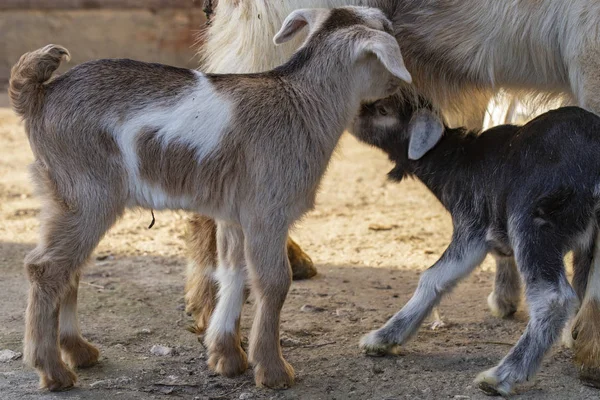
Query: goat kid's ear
point(387, 50)
point(296, 21)
point(425, 130)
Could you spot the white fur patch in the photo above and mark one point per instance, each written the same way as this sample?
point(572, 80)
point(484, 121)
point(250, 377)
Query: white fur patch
point(198, 119)
point(68, 324)
point(232, 282)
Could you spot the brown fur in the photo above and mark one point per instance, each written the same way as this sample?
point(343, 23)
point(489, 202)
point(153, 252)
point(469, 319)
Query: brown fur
point(172, 167)
point(586, 330)
point(302, 264)
point(260, 177)
point(26, 90)
point(69, 235)
point(200, 288)
point(76, 351)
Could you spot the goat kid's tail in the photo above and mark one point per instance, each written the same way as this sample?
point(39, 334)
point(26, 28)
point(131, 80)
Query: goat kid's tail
point(28, 76)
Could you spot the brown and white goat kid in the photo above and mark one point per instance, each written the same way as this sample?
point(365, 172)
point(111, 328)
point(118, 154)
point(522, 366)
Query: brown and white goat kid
point(459, 52)
point(247, 150)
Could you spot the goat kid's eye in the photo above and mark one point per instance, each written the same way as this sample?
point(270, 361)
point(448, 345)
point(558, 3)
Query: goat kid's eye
point(382, 111)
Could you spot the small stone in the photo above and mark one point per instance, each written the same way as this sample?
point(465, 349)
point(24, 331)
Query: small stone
point(246, 396)
point(159, 350)
point(377, 369)
point(340, 312)
point(9, 355)
point(289, 342)
point(379, 227)
point(145, 331)
point(311, 309)
point(121, 347)
point(123, 380)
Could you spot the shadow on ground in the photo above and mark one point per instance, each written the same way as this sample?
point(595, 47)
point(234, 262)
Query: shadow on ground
point(130, 303)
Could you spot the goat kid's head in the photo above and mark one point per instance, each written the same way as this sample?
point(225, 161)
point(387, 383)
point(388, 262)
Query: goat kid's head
point(361, 36)
point(399, 125)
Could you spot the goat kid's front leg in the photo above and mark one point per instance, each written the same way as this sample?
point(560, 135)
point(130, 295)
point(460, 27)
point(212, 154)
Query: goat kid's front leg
point(466, 251)
point(201, 286)
point(506, 296)
point(271, 277)
point(223, 338)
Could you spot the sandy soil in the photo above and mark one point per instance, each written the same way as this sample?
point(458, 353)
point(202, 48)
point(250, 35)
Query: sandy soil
point(131, 298)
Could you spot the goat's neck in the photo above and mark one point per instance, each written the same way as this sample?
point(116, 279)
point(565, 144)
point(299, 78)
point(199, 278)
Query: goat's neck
point(326, 95)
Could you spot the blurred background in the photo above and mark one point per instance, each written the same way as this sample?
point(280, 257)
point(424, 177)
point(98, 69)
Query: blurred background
point(162, 31)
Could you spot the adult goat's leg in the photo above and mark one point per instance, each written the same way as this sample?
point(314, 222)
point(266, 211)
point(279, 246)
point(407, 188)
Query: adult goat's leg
point(200, 287)
point(586, 326)
point(585, 82)
point(506, 296)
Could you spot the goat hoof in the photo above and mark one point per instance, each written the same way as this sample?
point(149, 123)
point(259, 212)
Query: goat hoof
point(501, 308)
point(280, 376)
point(436, 325)
point(78, 353)
point(590, 376)
point(302, 265)
point(373, 345)
point(227, 357)
point(489, 384)
point(230, 364)
point(59, 379)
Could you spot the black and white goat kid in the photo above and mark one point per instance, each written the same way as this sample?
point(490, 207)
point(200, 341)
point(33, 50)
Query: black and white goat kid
point(525, 194)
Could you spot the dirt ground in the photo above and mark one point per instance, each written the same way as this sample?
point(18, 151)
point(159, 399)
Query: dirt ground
point(131, 298)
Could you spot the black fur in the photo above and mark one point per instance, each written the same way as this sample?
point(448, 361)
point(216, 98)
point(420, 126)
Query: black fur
point(529, 191)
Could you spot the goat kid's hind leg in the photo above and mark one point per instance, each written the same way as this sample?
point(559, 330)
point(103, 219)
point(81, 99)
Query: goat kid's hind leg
point(466, 251)
point(223, 338)
point(551, 300)
point(200, 286)
point(506, 296)
point(271, 276)
point(76, 351)
point(69, 235)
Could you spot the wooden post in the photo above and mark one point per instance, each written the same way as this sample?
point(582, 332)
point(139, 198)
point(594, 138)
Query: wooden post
point(6, 5)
